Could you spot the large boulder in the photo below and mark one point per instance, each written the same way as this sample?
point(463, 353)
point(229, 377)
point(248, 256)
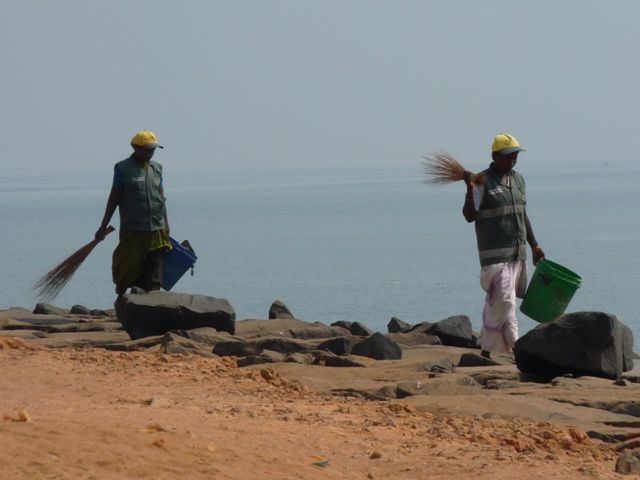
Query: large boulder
point(379, 347)
point(453, 331)
point(582, 343)
point(157, 312)
point(279, 310)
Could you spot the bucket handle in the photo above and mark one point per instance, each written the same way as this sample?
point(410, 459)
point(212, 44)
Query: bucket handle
point(546, 279)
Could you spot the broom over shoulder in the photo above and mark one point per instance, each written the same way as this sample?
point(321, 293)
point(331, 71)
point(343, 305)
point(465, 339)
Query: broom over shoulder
point(442, 167)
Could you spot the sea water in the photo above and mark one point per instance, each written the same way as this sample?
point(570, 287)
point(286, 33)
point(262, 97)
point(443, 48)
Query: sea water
point(343, 244)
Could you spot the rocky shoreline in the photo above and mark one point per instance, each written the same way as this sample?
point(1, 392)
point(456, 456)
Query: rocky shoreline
point(428, 367)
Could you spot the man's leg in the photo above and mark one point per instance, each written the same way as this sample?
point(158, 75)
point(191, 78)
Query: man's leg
point(499, 325)
point(152, 270)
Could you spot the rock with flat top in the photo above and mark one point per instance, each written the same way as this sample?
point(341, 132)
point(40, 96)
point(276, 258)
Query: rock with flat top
point(581, 343)
point(157, 312)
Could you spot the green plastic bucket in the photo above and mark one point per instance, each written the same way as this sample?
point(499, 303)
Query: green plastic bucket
point(550, 290)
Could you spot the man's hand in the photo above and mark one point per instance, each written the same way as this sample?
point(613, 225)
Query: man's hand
point(101, 233)
point(537, 253)
point(467, 178)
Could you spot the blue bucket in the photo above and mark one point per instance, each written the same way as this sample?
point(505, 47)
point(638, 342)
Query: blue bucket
point(176, 263)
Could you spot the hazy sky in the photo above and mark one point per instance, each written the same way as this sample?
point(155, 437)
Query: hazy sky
point(278, 84)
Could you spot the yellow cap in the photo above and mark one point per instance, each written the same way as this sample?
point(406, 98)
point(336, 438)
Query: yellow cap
point(505, 144)
point(145, 139)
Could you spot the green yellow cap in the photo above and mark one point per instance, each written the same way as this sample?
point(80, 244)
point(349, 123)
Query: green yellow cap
point(145, 139)
point(505, 144)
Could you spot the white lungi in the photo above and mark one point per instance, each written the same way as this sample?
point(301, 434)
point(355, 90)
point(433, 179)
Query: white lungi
point(503, 282)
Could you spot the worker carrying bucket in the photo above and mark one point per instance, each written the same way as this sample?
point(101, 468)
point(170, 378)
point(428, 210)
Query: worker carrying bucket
point(496, 202)
point(137, 192)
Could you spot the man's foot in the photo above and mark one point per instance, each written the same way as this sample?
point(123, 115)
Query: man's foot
point(137, 290)
point(485, 354)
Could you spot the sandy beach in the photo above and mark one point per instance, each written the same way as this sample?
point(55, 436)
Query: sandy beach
point(88, 413)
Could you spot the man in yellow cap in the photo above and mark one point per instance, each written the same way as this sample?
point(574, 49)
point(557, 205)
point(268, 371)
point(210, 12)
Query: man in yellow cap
point(138, 193)
point(498, 208)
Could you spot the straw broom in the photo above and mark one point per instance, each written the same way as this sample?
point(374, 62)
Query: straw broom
point(50, 285)
point(442, 167)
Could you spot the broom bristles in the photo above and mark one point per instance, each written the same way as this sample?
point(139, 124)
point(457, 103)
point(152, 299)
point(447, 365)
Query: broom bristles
point(442, 167)
point(51, 283)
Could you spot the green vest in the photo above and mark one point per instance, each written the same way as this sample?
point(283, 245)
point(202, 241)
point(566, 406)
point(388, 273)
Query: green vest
point(501, 228)
point(142, 203)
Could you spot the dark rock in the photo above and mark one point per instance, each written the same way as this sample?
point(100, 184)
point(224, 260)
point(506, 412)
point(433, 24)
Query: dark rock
point(453, 331)
point(80, 310)
point(96, 312)
point(157, 312)
point(206, 335)
point(172, 343)
point(379, 347)
point(582, 343)
point(338, 345)
point(329, 360)
point(629, 462)
point(282, 345)
point(475, 360)
point(237, 348)
point(356, 328)
point(47, 309)
point(396, 325)
point(265, 357)
point(444, 365)
point(279, 310)
point(412, 338)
